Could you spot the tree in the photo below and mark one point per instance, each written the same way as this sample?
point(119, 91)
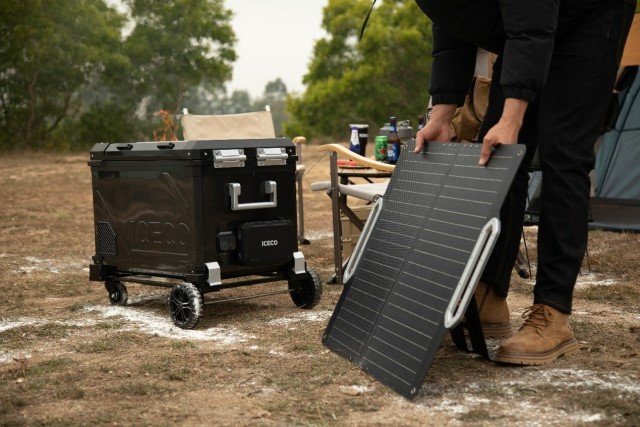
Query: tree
point(48, 51)
point(176, 46)
point(384, 74)
point(70, 76)
point(275, 90)
point(202, 101)
point(176, 50)
point(275, 96)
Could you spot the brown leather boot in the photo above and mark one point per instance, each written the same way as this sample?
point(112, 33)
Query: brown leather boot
point(544, 336)
point(494, 312)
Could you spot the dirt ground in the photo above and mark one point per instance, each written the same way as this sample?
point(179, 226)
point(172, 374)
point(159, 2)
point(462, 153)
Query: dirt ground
point(68, 357)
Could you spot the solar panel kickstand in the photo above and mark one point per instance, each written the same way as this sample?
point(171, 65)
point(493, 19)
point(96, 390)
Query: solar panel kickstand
point(471, 324)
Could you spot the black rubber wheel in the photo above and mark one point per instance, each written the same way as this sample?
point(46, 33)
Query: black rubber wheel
point(306, 293)
point(117, 292)
point(185, 305)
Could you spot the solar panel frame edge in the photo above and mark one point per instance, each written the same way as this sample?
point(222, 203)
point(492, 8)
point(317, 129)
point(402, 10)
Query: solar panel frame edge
point(412, 387)
point(347, 286)
point(357, 357)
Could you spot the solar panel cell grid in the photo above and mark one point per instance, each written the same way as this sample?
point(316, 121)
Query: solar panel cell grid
point(389, 319)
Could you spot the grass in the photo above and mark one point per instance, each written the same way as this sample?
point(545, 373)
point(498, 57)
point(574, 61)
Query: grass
point(109, 371)
point(48, 366)
point(622, 407)
point(21, 336)
point(99, 346)
point(77, 306)
point(113, 324)
point(109, 338)
point(69, 392)
point(184, 345)
point(480, 415)
point(10, 405)
point(181, 374)
point(140, 389)
point(621, 293)
point(167, 367)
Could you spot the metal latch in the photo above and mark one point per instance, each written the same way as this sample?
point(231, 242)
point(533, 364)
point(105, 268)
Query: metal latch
point(232, 158)
point(271, 156)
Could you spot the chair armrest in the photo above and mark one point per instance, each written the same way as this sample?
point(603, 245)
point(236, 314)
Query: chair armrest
point(298, 141)
point(360, 160)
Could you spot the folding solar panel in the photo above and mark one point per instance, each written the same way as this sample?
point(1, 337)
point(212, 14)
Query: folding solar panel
point(419, 258)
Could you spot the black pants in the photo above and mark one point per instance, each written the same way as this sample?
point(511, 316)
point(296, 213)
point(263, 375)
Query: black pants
point(563, 124)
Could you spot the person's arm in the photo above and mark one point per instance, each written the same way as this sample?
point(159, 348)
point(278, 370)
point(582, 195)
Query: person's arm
point(451, 75)
point(506, 130)
point(452, 69)
point(530, 29)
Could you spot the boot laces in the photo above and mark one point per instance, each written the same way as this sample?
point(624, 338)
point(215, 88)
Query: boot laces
point(538, 317)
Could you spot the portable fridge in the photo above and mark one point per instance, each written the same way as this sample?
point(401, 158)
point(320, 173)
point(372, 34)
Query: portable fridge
point(198, 217)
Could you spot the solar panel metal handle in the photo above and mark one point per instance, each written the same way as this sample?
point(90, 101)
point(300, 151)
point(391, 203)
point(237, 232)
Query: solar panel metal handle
point(471, 274)
point(269, 187)
point(362, 241)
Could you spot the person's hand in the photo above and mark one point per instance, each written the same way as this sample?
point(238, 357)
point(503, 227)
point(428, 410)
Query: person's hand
point(438, 128)
point(506, 130)
point(501, 133)
point(432, 131)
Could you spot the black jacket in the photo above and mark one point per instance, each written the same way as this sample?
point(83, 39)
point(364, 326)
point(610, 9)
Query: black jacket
point(522, 32)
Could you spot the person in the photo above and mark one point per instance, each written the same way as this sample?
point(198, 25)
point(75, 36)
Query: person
point(552, 81)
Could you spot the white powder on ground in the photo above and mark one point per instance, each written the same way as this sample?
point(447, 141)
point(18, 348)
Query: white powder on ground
point(355, 390)
point(162, 326)
point(457, 402)
point(572, 378)
point(7, 356)
point(303, 316)
point(592, 279)
point(5, 325)
point(48, 265)
point(318, 235)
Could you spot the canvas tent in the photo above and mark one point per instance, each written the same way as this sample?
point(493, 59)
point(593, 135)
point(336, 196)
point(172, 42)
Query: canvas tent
point(616, 201)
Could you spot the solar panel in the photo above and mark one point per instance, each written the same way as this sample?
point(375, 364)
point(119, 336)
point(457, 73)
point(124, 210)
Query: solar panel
point(422, 243)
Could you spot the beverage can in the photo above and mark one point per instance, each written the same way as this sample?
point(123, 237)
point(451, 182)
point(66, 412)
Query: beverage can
point(381, 148)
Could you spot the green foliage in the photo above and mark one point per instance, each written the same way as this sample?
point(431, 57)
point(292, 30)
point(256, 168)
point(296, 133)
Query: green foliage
point(275, 96)
point(106, 121)
point(174, 51)
point(48, 51)
point(384, 74)
point(76, 72)
point(176, 46)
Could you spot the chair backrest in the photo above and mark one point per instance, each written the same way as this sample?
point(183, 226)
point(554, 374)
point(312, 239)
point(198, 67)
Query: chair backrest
point(253, 125)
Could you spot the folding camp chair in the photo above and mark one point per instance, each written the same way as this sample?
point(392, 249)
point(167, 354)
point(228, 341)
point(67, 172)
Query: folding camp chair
point(340, 191)
point(252, 125)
